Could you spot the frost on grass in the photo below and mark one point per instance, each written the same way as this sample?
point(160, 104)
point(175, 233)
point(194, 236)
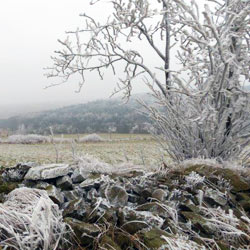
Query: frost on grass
point(27, 139)
point(233, 165)
point(193, 179)
point(90, 164)
point(225, 225)
point(180, 243)
point(30, 220)
point(91, 138)
point(35, 139)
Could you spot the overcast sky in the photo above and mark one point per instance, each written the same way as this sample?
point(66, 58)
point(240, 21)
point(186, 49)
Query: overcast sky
point(29, 33)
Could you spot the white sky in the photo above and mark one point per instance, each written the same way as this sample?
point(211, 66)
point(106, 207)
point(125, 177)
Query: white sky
point(29, 33)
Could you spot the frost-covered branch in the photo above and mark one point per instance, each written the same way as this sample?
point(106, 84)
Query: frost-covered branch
point(203, 107)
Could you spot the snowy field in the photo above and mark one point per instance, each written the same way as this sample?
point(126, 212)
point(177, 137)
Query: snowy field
point(116, 148)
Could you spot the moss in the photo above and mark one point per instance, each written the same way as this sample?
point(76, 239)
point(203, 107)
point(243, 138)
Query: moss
point(153, 207)
point(84, 232)
point(200, 169)
point(235, 180)
point(108, 243)
point(70, 208)
point(223, 245)
point(49, 188)
point(198, 223)
point(245, 205)
point(6, 187)
point(233, 177)
point(152, 239)
point(124, 241)
point(243, 197)
point(94, 176)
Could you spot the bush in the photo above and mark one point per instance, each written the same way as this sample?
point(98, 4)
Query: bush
point(91, 138)
point(27, 139)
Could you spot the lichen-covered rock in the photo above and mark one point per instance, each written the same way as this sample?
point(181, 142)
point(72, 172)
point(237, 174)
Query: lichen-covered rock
point(153, 207)
point(198, 223)
point(156, 210)
point(237, 182)
point(6, 187)
point(108, 243)
point(48, 171)
point(41, 185)
point(75, 209)
point(117, 196)
point(64, 182)
point(84, 232)
point(159, 194)
point(90, 183)
point(79, 175)
point(55, 194)
point(17, 173)
point(73, 194)
point(153, 238)
point(133, 221)
point(213, 197)
point(133, 198)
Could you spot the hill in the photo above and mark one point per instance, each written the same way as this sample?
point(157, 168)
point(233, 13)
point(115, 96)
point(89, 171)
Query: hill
point(98, 116)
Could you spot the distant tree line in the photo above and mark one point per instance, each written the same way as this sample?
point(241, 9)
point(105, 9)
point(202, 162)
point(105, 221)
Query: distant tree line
point(100, 116)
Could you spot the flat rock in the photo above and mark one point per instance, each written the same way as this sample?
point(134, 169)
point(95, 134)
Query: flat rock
point(117, 196)
point(90, 183)
point(48, 171)
point(212, 197)
point(64, 182)
point(73, 195)
point(75, 209)
point(18, 172)
point(159, 194)
point(85, 232)
point(79, 175)
point(55, 195)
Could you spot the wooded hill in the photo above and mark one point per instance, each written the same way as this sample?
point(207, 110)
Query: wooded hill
point(98, 116)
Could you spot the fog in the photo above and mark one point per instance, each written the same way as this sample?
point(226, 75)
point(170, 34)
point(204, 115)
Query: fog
point(29, 33)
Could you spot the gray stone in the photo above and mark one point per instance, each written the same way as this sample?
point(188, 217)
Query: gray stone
point(18, 172)
point(134, 221)
point(85, 232)
point(159, 194)
point(92, 195)
point(73, 195)
point(55, 194)
point(79, 175)
point(48, 171)
point(42, 185)
point(90, 183)
point(117, 196)
point(133, 198)
point(65, 183)
point(213, 198)
point(146, 193)
point(75, 209)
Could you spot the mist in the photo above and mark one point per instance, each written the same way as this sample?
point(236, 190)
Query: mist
point(29, 33)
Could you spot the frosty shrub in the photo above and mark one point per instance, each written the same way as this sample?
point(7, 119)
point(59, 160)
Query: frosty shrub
point(91, 138)
point(203, 106)
point(30, 220)
point(27, 139)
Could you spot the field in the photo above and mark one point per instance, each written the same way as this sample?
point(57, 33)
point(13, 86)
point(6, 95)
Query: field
point(137, 149)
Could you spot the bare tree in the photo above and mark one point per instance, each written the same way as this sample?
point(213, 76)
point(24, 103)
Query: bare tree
point(206, 109)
